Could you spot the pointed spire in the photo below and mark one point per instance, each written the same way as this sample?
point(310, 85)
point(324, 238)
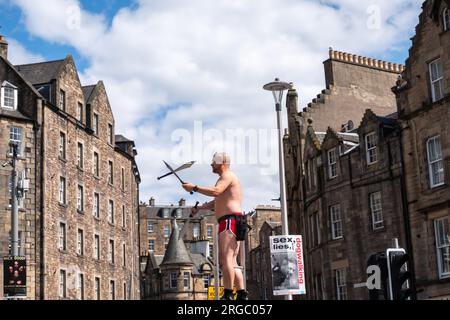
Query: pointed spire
point(176, 252)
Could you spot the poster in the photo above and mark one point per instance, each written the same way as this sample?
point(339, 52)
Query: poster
point(288, 274)
point(14, 276)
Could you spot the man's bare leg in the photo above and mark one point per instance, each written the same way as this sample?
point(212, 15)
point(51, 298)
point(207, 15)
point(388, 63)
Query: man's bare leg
point(238, 276)
point(227, 249)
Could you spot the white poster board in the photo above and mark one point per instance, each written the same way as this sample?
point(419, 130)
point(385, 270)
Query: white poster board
point(288, 273)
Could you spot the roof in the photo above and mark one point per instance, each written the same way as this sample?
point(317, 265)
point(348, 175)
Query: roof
point(199, 260)
point(273, 224)
point(120, 138)
point(156, 212)
point(87, 92)
point(13, 114)
point(42, 72)
point(176, 252)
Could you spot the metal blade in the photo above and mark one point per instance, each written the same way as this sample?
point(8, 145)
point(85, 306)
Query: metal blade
point(188, 221)
point(183, 167)
point(173, 172)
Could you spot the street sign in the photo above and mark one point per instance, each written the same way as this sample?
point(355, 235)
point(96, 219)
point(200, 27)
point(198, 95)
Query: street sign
point(14, 276)
point(288, 273)
point(212, 292)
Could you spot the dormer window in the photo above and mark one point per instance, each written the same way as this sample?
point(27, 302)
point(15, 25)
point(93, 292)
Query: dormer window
point(179, 213)
point(332, 163)
point(446, 19)
point(371, 148)
point(166, 213)
point(436, 80)
point(9, 96)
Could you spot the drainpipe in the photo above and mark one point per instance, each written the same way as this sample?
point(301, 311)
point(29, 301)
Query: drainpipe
point(42, 161)
point(408, 237)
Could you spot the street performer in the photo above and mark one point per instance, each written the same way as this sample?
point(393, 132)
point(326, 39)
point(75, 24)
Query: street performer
point(227, 205)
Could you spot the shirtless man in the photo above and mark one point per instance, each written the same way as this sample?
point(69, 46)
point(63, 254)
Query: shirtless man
point(227, 205)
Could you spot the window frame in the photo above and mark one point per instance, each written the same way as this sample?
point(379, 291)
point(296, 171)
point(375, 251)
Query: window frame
point(112, 290)
point(95, 122)
point(62, 145)
point(97, 288)
point(96, 205)
point(338, 279)
point(62, 284)
point(332, 165)
point(96, 247)
point(80, 242)
point(152, 241)
point(15, 93)
point(430, 163)
point(173, 277)
point(80, 155)
point(440, 80)
point(80, 198)
point(80, 112)
point(111, 251)
point(167, 228)
point(62, 190)
point(62, 100)
point(186, 278)
point(333, 222)
point(441, 273)
point(446, 19)
point(62, 236)
point(110, 172)
point(111, 219)
point(373, 148)
point(80, 286)
point(374, 210)
point(19, 142)
point(96, 164)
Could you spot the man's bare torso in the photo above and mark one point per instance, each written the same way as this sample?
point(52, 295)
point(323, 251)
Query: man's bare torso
point(229, 201)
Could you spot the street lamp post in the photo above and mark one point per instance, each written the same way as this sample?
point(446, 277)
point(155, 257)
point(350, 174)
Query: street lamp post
point(277, 87)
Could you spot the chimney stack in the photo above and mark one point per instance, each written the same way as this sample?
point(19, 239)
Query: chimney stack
point(151, 202)
point(182, 202)
point(3, 48)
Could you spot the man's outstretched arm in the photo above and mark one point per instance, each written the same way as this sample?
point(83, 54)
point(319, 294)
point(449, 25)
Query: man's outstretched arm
point(221, 185)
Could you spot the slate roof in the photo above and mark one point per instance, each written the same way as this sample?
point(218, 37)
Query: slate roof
point(87, 92)
point(156, 212)
point(42, 72)
point(176, 252)
point(13, 114)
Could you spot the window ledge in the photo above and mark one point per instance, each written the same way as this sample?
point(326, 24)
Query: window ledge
point(80, 211)
point(80, 168)
point(62, 251)
point(96, 177)
point(97, 219)
point(63, 205)
point(62, 159)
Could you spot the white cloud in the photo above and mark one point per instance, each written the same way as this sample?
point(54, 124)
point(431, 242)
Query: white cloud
point(168, 63)
point(17, 54)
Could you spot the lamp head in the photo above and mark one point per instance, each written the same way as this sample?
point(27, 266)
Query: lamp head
point(278, 87)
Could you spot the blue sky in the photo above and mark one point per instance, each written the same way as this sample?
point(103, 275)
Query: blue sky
point(169, 64)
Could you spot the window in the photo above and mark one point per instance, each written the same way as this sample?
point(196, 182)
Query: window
point(110, 134)
point(62, 284)
point(435, 163)
point(196, 230)
point(150, 227)
point(9, 96)
point(62, 145)
point(446, 19)
point(151, 245)
point(332, 163)
point(110, 172)
point(376, 210)
point(112, 290)
point(80, 199)
point(111, 251)
point(124, 255)
point(96, 247)
point(80, 286)
point(209, 231)
point(166, 231)
point(186, 280)
point(173, 280)
point(436, 80)
point(311, 174)
point(166, 213)
point(62, 190)
point(211, 250)
point(442, 230)
point(16, 136)
point(95, 124)
point(124, 291)
point(97, 288)
point(123, 179)
point(96, 164)
point(111, 211)
point(96, 205)
point(62, 100)
point(206, 281)
point(341, 285)
point(62, 236)
point(336, 222)
point(80, 242)
point(80, 112)
point(314, 229)
point(80, 155)
point(124, 217)
point(371, 148)
point(179, 213)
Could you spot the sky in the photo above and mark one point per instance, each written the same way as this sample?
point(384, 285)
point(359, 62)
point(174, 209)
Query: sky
point(184, 78)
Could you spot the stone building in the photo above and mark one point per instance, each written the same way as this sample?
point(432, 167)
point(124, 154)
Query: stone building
point(424, 114)
point(85, 184)
point(182, 273)
point(256, 220)
point(352, 204)
point(155, 226)
point(333, 192)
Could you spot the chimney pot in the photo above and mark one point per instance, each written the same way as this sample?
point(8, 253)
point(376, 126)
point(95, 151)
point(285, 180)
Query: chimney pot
point(3, 48)
point(151, 202)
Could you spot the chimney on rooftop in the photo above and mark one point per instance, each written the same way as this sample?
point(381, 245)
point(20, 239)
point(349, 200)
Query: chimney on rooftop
point(151, 202)
point(3, 48)
point(182, 202)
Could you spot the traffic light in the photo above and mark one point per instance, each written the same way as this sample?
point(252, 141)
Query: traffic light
point(399, 276)
point(378, 293)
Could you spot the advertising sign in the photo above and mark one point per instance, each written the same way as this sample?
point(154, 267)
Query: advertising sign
point(288, 274)
point(14, 276)
point(212, 292)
